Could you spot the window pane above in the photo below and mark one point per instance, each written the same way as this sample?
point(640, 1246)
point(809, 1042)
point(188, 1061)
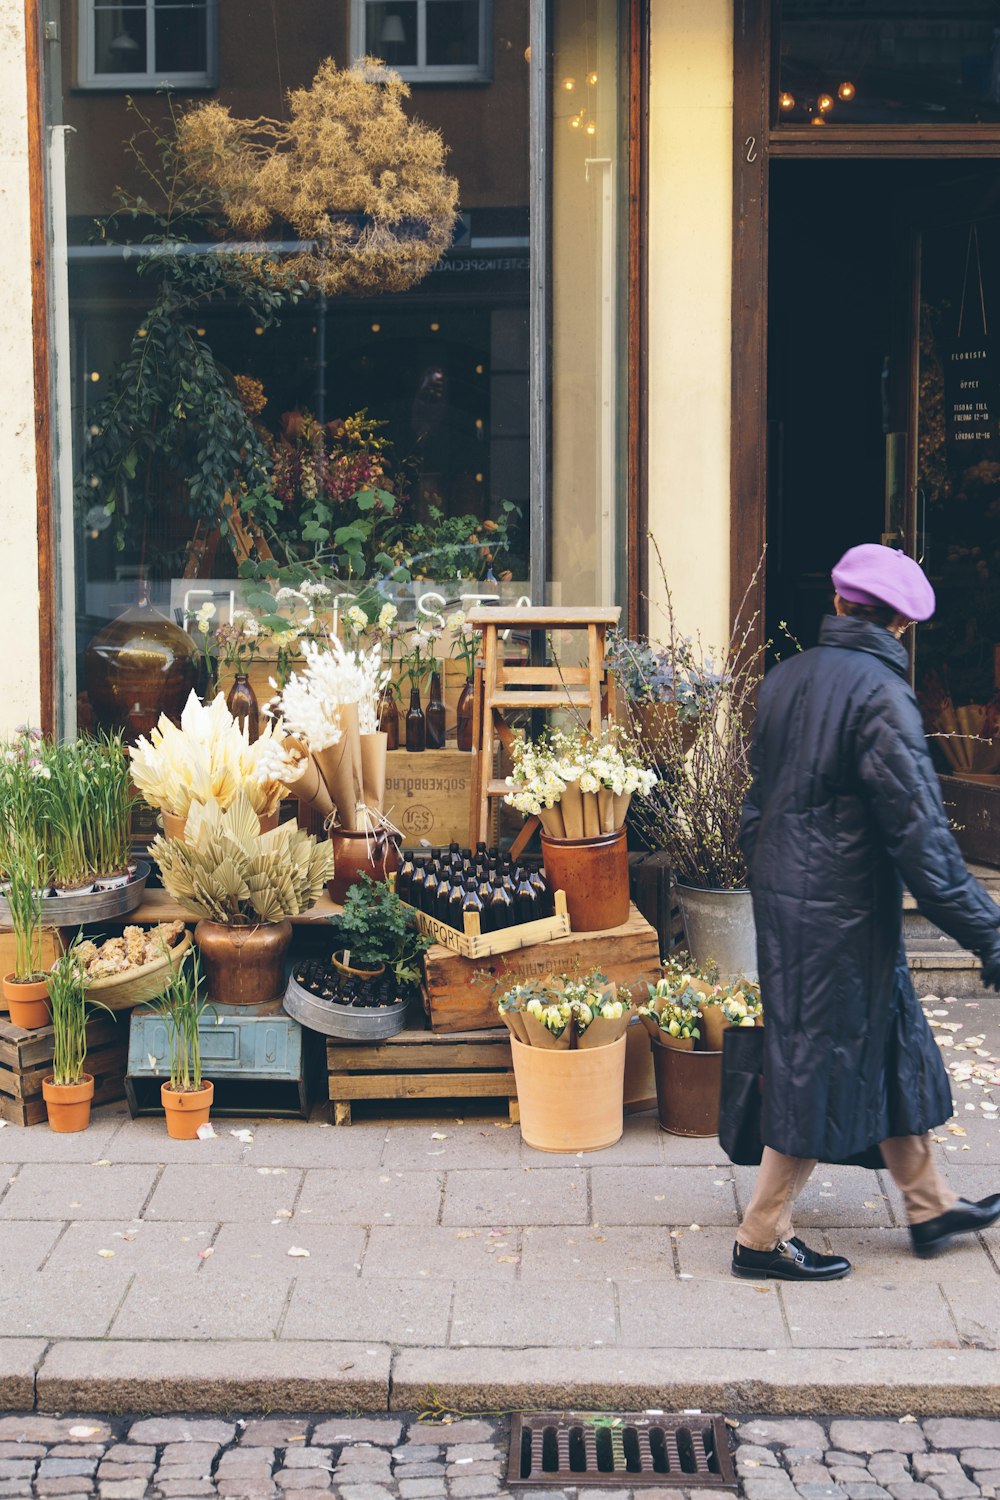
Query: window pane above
point(870, 62)
point(120, 39)
point(181, 42)
point(453, 33)
point(391, 32)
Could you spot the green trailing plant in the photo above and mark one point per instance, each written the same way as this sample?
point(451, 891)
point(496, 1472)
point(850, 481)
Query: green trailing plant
point(226, 870)
point(181, 1007)
point(68, 1009)
point(376, 928)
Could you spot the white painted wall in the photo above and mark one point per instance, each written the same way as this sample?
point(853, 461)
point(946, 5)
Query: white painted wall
point(19, 656)
point(690, 328)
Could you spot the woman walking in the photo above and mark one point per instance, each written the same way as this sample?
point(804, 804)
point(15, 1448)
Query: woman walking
point(845, 807)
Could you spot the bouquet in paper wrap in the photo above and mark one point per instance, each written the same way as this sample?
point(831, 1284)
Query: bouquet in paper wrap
point(579, 786)
point(332, 754)
point(560, 1013)
point(207, 759)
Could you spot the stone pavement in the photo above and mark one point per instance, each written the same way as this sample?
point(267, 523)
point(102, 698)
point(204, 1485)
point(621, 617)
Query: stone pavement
point(284, 1266)
point(381, 1458)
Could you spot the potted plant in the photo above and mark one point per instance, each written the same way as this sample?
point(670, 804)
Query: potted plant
point(243, 885)
point(377, 931)
point(111, 799)
point(26, 988)
point(186, 1097)
point(663, 691)
point(568, 1046)
point(694, 812)
point(579, 786)
point(68, 1090)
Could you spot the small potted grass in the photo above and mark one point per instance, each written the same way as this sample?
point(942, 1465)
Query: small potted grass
point(26, 988)
point(111, 799)
point(68, 1090)
point(186, 1097)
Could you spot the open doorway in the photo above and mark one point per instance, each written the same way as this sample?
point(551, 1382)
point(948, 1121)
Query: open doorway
point(884, 411)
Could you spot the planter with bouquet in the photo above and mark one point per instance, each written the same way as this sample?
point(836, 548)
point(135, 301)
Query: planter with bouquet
point(186, 1097)
point(693, 814)
point(580, 787)
point(662, 690)
point(243, 885)
point(208, 759)
point(68, 1090)
point(366, 990)
point(568, 1046)
point(333, 756)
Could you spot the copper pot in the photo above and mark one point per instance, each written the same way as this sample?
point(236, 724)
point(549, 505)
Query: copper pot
point(244, 965)
point(357, 854)
point(594, 875)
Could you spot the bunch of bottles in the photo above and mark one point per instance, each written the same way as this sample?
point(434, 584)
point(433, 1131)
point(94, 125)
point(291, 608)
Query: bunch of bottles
point(447, 883)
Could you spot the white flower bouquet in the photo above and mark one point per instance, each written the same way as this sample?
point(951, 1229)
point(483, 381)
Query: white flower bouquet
point(208, 758)
point(561, 1013)
point(579, 786)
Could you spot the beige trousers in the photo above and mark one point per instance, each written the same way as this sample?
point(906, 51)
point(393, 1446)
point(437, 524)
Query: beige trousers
point(781, 1179)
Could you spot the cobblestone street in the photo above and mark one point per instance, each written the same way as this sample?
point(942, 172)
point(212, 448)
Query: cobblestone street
point(381, 1458)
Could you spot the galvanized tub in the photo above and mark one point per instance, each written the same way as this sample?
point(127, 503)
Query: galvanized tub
point(96, 906)
point(350, 1022)
point(719, 928)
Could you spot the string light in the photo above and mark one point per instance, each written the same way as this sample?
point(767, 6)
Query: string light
point(592, 79)
point(846, 90)
point(435, 327)
point(824, 104)
point(786, 100)
point(376, 328)
point(591, 128)
point(569, 84)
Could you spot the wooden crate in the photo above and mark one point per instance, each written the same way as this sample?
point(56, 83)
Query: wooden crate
point(461, 993)
point(26, 1058)
point(651, 884)
point(416, 1064)
point(427, 795)
point(473, 943)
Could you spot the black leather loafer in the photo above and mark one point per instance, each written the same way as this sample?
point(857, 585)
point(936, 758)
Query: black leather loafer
point(790, 1260)
point(934, 1235)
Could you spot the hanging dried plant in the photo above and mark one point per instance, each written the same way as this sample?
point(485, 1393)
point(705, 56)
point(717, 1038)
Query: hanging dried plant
point(364, 185)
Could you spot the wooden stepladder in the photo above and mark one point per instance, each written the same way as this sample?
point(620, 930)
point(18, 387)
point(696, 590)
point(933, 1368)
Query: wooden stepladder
point(205, 542)
point(499, 688)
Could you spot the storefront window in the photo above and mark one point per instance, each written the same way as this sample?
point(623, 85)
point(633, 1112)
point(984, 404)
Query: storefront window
point(876, 62)
point(298, 313)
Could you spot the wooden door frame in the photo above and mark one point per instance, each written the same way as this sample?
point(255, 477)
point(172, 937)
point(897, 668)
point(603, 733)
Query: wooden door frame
point(756, 141)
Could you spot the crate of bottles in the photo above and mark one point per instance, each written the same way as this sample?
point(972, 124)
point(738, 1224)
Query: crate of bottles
point(472, 942)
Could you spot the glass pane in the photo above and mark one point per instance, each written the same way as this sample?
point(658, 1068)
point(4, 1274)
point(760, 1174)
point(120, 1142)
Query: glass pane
point(120, 39)
point(181, 40)
point(391, 32)
point(589, 260)
point(353, 368)
point(864, 62)
point(452, 33)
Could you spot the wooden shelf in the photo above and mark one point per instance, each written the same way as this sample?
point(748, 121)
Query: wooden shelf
point(159, 906)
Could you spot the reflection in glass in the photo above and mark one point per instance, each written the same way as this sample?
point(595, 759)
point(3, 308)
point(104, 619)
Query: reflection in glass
point(180, 39)
point(391, 32)
point(888, 62)
point(120, 39)
point(452, 33)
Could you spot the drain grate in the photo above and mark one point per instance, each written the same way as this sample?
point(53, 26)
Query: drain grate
point(630, 1449)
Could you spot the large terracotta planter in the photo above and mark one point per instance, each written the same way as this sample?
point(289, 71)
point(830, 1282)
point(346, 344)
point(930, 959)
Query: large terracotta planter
point(688, 1088)
point(186, 1113)
point(594, 875)
point(719, 928)
point(573, 1099)
point(244, 965)
point(68, 1104)
point(28, 1003)
point(357, 854)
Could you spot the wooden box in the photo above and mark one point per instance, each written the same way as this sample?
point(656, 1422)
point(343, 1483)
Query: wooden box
point(415, 1064)
point(461, 994)
point(472, 943)
point(428, 794)
point(26, 1058)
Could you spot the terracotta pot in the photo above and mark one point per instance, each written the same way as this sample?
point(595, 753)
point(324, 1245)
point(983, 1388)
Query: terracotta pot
point(570, 1100)
point(688, 1088)
point(68, 1104)
point(594, 875)
point(713, 1026)
point(357, 854)
point(354, 973)
point(244, 965)
point(174, 826)
point(28, 1003)
point(186, 1112)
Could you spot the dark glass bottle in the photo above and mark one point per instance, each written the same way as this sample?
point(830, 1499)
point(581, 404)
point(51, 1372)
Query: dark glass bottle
point(428, 900)
point(464, 714)
point(416, 724)
point(242, 704)
point(525, 897)
point(404, 877)
point(435, 716)
point(388, 718)
point(546, 901)
point(443, 894)
point(485, 891)
point(502, 912)
point(455, 901)
point(417, 880)
point(472, 902)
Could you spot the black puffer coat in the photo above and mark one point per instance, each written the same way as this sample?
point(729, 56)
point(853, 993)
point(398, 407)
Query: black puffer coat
point(845, 806)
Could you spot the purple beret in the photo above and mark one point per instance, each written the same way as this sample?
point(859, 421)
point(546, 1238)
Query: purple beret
point(871, 574)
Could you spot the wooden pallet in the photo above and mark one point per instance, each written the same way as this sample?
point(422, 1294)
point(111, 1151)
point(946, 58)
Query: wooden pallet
point(473, 943)
point(416, 1064)
point(26, 1058)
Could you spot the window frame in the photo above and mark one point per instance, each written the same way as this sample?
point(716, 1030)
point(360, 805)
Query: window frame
point(422, 72)
point(87, 76)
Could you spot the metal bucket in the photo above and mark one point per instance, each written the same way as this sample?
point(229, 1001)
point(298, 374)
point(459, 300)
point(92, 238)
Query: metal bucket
point(688, 1089)
point(719, 928)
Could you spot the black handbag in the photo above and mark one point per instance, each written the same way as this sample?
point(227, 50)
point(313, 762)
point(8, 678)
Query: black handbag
point(741, 1098)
